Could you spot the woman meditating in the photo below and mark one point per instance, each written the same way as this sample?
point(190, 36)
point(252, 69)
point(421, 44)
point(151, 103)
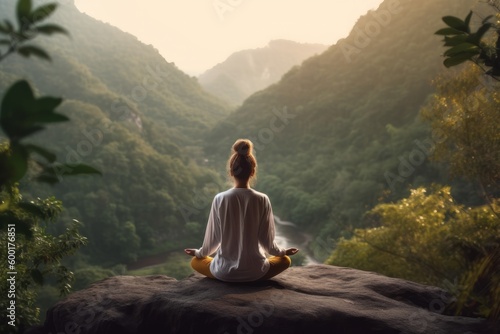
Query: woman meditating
point(240, 220)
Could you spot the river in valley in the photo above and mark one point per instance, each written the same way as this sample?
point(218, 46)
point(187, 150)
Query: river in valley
point(289, 235)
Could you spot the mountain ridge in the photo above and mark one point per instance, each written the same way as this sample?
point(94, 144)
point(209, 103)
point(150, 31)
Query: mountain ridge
point(247, 71)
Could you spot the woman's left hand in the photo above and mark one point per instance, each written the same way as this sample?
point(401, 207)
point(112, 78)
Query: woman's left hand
point(190, 251)
point(291, 251)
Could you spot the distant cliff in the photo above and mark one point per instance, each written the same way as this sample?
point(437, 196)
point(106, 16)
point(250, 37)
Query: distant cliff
point(313, 299)
point(248, 71)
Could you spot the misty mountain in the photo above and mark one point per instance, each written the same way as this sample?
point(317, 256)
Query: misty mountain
point(135, 117)
point(336, 135)
point(248, 71)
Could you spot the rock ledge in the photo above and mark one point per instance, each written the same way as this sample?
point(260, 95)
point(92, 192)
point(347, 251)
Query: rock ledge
point(312, 299)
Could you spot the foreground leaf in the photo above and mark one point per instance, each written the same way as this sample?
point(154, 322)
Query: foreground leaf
point(457, 60)
point(82, 169)
point(49, 29)
point(51, 157)
point(462, 49)
point(455, 40)
point(42, 12)
point(29, 50)
point(456, 23)
point(449, 31)
point(23, 11)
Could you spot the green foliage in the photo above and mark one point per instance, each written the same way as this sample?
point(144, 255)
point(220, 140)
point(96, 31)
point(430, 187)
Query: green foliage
point(465, 110)
point(431, 239)
point(38, 255)
point(408, 241)
point(21, 116)
point(464, 45)
point(27, 18)
point(480, 293)
point(33, 254)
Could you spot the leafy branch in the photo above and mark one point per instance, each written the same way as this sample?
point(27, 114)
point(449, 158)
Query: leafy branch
point(464, 45)
point(28, 28)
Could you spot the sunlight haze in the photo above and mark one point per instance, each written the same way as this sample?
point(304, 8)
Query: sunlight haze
point(197, 35)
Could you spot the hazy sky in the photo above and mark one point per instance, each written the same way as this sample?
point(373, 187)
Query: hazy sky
point(198, 34)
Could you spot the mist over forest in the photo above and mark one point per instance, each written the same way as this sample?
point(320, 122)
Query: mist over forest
point(368, 146)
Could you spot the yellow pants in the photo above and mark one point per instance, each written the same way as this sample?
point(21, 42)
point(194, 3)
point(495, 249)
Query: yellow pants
point(277, 265)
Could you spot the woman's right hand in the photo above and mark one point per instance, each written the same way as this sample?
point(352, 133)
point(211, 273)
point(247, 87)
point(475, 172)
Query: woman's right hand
point(190, 251)
point(291, 251)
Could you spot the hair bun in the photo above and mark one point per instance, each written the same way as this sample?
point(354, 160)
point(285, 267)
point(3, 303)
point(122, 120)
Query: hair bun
point(242, 164)
point(243, 147)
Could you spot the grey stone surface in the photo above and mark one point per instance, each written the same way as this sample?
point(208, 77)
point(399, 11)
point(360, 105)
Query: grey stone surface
point(311, 299)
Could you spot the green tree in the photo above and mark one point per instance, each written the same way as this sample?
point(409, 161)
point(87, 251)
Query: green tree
point(33, 255)
point(464, 112)
point(431, 239)
point(466, 109)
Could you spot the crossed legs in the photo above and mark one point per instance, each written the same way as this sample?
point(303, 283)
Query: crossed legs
point(276, 265)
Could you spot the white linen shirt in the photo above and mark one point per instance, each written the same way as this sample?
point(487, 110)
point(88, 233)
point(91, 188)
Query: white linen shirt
point(240, 219)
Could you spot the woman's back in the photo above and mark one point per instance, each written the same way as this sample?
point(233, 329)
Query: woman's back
point(241, 211)
point(240, 220)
